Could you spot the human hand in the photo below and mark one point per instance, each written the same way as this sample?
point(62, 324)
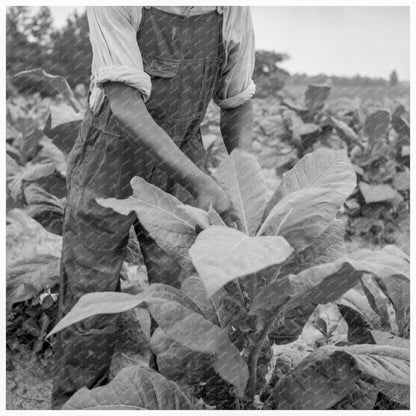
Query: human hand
point(209, 192)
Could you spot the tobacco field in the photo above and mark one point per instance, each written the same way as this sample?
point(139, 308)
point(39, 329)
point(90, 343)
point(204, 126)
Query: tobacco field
point(303, 302)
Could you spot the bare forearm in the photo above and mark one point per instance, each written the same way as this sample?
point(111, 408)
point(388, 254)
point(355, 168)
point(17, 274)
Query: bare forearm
point(129, 109)
point(236, 126)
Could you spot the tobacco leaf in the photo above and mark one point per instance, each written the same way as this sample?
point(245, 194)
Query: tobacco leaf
point(327, 282)
point(316, 96)
point(56, 82)
point(330, 169)
point(194, 288)
point(326, 247)
point(62, 128)
point(181, 324)
point(45, 208)
point(329, 374)
point(379, 193)
point(376, 125)
point(222, 254)
point(133, 388)
point(241, 178)
point(162, 215)
point(179, 363)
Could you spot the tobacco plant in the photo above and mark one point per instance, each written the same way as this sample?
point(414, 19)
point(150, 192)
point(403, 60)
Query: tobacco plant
point(279, 265)
point(378, 143)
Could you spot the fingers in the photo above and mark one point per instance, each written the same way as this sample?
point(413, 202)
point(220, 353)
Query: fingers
point(229, 218)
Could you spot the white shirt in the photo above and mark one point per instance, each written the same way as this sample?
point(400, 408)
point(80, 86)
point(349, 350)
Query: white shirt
point(117, 57)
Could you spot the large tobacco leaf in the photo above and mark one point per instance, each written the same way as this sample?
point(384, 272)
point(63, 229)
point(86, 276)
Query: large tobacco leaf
point(323, 168)
point(326, 247)
point(320, 284)
point(181, 324)
point(222, 254)
point(133, 388)
point(98, 303)
point(163, 216)
point(241, 178)
point(302, 216)
point(309, 198)
point(327, 282)
point(328, 375)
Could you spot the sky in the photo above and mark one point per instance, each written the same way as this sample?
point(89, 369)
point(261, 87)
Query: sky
point(339, 40)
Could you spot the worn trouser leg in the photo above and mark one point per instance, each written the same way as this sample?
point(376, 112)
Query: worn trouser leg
point(84, 350)
point(94, 241)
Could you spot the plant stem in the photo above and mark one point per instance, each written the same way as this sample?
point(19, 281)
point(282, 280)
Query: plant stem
point(253, 286)
point(240, 291)
point(252, 358)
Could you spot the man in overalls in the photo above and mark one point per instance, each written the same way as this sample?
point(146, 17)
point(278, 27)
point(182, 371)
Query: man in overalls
point(154, 71)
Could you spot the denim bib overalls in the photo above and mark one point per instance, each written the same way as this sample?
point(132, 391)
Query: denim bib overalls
point(184, 56)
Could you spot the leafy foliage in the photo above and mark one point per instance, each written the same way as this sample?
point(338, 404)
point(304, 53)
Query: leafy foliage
point(222, 254)
point(133, 388)
point(329, 374)
point(58, 83)
point(377, 141)
point(279, 274)
point(31, 301)
point(249, 270)
point(33, 41)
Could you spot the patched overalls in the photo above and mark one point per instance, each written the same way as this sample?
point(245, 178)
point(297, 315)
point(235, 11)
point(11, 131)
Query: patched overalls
point(184, 57)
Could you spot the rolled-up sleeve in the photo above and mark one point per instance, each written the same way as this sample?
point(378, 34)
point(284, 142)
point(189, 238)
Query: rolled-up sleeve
point(237, 85)
point(116, 54)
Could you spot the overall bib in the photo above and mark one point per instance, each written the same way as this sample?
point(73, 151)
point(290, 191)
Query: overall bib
point(184, 57)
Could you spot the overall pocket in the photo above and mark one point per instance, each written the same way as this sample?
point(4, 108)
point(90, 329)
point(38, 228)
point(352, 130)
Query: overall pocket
point(162, 72)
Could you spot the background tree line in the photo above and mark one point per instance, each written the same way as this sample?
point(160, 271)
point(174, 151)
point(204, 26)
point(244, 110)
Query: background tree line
point(33, 41)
